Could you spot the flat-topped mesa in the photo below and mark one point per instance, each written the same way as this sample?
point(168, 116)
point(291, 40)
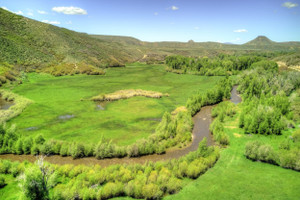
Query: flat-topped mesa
point(125, 94)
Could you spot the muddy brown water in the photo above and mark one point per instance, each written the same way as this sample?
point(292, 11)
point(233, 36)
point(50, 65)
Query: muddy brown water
point(201, 120)
point(4, 105)
point(235, 97)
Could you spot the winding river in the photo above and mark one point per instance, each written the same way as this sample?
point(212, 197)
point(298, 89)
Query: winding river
point(201, 120)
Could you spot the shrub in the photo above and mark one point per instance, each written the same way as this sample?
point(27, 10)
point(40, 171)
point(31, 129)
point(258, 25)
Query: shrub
point(27, 144)
point(290, 159)
point(77, 150)
point(254, 150)
point(251, 149)
point(64, 149)
point(46, 148)
point(152, 191)
point(173, 185)
point(111, 190)
point(19, 146)
point(39, 140)
point(5, 165)
point(32, 184)
point(296, 136)
point(2, 181)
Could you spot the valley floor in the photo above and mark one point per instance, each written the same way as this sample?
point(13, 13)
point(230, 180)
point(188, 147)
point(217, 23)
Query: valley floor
point(236, 177)
point(62, 108)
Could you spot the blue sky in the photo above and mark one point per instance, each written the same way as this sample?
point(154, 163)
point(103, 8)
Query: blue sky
point(236, 21)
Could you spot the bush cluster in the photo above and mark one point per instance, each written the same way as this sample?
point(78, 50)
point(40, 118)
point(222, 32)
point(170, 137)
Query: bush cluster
point(217, 129)
point(220, 65)
point(71, 69)
point(287, 156)
point(148, 181)
point(213, 96)
point(223, 110)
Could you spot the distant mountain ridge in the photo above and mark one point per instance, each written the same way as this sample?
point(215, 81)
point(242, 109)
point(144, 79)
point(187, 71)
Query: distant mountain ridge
point(26, 42)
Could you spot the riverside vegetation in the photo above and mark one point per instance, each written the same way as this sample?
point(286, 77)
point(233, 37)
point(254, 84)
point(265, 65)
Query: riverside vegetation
point(49, 66)
point(146, 181)
point(150, 181)
point(171, 131)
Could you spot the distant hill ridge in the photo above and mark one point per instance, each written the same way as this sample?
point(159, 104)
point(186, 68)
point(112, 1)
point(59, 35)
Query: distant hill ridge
point(260, 40)
point(26, 42)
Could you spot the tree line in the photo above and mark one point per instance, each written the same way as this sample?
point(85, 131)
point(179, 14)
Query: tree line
point(221, 65)
point(269, 96)
point(148, 181)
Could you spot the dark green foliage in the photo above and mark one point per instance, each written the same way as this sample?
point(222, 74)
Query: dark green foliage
point(217, 129)
point(2, 181)
point(290, 159)
point(259, 119)
point(213, 96)
point(19, 146)
point(27, 145)
point(217, 66)
point(267, 108)
point(39, 140)
point(296, 136)
point(258, 82)
point(223, 109)
point(34, 149)
point(257, 151)
point(287, 156)
point(266, 65)
point(77, 150)
point(33, 185)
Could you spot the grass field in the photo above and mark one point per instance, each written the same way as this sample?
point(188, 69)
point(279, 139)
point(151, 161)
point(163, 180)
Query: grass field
point(123, 121)
point(235, 177)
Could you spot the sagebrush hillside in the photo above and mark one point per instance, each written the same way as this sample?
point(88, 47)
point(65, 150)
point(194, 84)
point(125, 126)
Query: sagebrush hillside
point(31, 43)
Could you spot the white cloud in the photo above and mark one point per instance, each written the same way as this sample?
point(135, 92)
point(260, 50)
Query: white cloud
point(289, 5)
point(196, 28)
point(42, 12)
point(18, 12)
point(174, 8)
point(51, 22)
point(240, 31)
point(156, 13)
point(3, 7)
point(30, 14)
point(69, 22)
point(70, 10)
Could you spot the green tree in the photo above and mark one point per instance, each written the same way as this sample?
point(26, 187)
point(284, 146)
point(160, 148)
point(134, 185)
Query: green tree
point(34, 182)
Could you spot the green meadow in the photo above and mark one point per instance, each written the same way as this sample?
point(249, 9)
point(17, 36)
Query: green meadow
point(123, 121)
point(236, 177)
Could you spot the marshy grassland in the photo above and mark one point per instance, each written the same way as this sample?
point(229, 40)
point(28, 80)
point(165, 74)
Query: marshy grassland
point(58, 112)
point(236, 177)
